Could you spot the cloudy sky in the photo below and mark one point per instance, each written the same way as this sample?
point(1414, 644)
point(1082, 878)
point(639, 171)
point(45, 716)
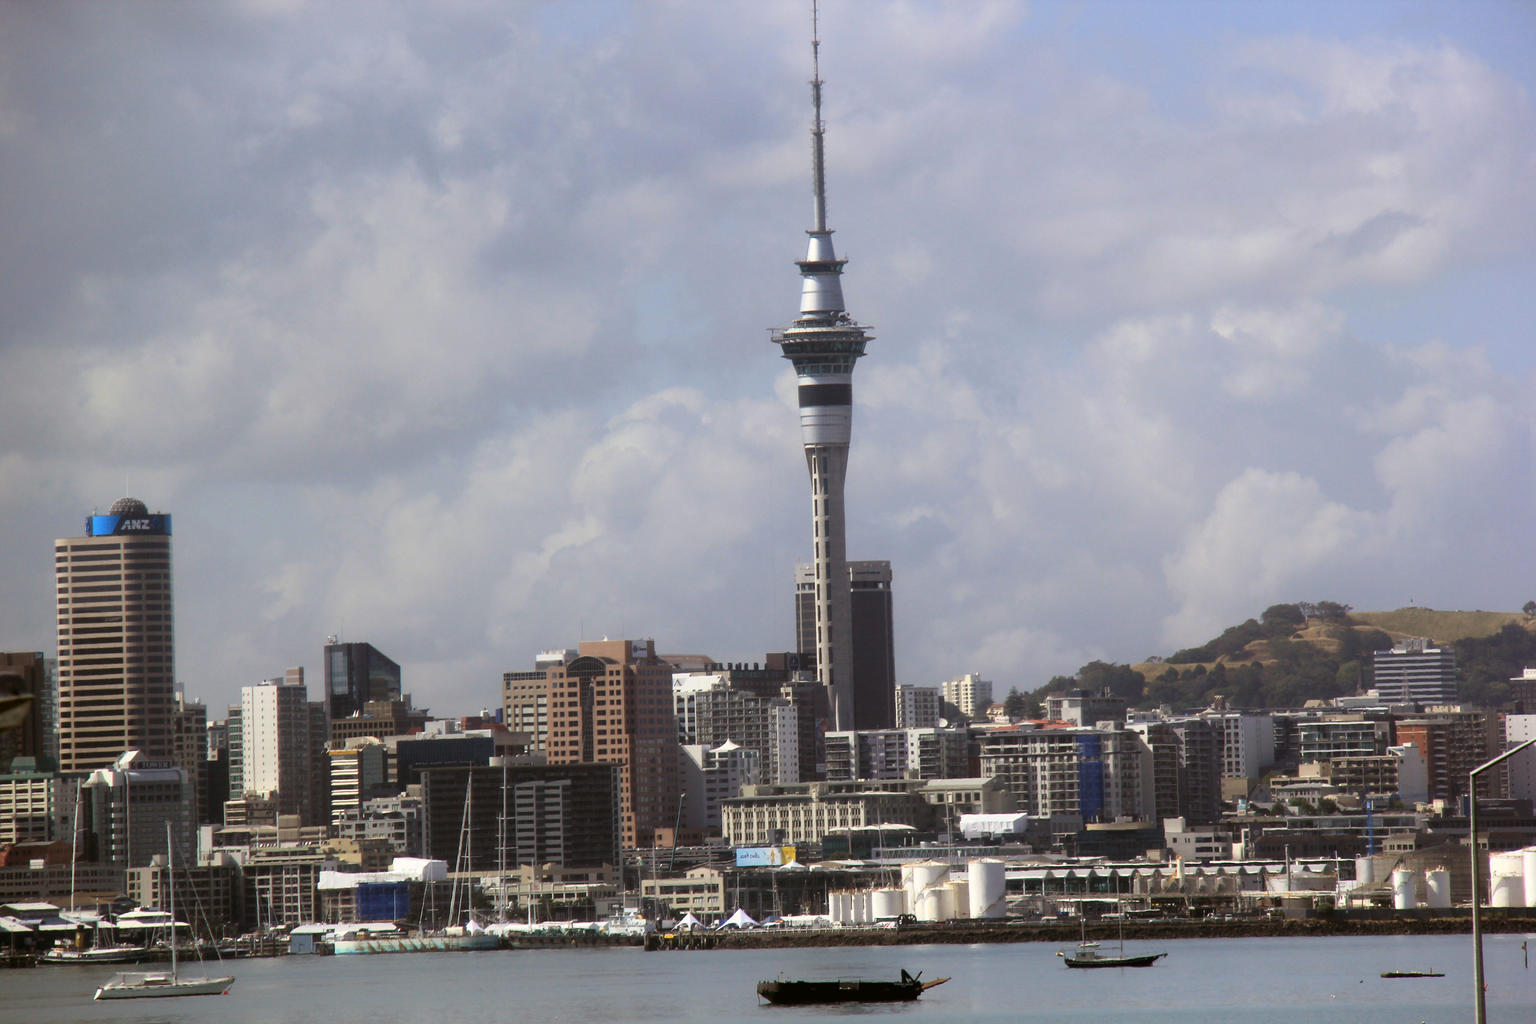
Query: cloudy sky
point(444, 325)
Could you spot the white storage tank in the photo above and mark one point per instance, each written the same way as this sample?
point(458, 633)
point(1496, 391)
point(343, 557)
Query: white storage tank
point(1405, 895)
point(862, 901)
point(1365, 870)
point(1506, 879)
point(837, 908)
point(925, 875)
point(930, 905)
point(1437, 888)
point(888, 903)
point(960, 886)
point(1528, 868)
point(988, 888)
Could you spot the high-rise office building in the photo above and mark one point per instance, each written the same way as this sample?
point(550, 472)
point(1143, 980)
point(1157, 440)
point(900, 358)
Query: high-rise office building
point(277, 753)
point(871, 636)
point(613, 704)
point(355, 674)
point(117, 687)
point(1416, 671)
point(823, 344)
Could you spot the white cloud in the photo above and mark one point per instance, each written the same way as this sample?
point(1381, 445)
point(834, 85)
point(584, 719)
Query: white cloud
point(445, 328)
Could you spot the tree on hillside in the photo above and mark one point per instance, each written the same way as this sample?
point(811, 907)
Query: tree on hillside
point(1529, 608)
point(1016, 704)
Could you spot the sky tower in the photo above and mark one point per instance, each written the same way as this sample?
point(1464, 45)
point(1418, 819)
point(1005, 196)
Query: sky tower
point(823, 344)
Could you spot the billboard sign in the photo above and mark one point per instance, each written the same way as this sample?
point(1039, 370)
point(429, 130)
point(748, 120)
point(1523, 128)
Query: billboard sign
point(764, 856)
point(117, 526)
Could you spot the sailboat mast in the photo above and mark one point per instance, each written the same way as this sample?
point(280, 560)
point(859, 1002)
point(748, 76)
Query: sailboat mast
point(170, 885)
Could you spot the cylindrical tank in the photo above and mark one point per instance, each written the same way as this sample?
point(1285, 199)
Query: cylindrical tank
point(1405, 894)
point(889, 903)
point(961, 887)
point(946, 901)
point(930, 905)
point(925, 875)
point(1437, 888)
point(1365, 871)
point(1528, 868)
point(862, 901)
point(1506, 879)
point(837, 907)
point(988, 888)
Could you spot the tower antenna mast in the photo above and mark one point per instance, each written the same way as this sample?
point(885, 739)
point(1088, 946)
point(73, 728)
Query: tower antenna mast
point(818, 129)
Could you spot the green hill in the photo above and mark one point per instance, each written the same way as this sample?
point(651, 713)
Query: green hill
point(1305, 651)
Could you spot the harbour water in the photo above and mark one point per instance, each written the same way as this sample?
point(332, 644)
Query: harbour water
point(1332, 980)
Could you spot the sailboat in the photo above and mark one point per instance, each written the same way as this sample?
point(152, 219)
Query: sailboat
point(1087, 954)
point(146, 984)
point(99, 951)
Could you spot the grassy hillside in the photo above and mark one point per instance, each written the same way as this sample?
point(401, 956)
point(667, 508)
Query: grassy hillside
point(1294, 653)
point(1442, 627)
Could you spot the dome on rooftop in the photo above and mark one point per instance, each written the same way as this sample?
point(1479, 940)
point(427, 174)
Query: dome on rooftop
point(128, 507)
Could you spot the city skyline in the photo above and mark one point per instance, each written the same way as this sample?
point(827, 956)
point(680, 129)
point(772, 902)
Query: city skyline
point(421, 325)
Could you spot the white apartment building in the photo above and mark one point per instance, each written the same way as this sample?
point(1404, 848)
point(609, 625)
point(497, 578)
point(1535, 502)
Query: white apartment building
point(970, 693)
point(917, 707)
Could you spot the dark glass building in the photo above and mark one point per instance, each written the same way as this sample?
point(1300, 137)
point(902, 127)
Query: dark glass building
point(355, 674)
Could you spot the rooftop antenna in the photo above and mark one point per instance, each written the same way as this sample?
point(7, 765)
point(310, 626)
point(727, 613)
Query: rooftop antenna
point(818, 129)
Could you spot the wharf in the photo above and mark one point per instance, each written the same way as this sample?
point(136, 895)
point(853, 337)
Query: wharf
point(967, 932)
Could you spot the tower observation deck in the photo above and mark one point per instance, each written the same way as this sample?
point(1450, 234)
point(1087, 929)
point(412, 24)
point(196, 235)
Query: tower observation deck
point(823, 344)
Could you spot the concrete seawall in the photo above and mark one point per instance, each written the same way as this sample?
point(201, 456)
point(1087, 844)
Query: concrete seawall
point(1067, 932)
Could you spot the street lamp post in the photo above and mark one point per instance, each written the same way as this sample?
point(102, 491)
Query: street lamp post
point(1480, 1008)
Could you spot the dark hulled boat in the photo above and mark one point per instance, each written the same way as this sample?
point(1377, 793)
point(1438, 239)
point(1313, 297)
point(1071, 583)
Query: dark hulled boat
point(799, 993)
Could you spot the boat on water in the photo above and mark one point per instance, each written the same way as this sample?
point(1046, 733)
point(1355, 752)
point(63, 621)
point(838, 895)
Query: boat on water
point(95, 955)
point(1091, 954)
point(1413, 974)
point(354, 942)
point(156, 984)
point(784, 992)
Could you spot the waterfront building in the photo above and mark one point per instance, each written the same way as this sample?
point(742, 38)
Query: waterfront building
point(807, 811)
point(355, 674)
point(918, 707)
point(1414, 670)
point(281, 883)
point(613, 703)
point(206, 894)
point(969, 695)
point(116, 632)
point(700, 892)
